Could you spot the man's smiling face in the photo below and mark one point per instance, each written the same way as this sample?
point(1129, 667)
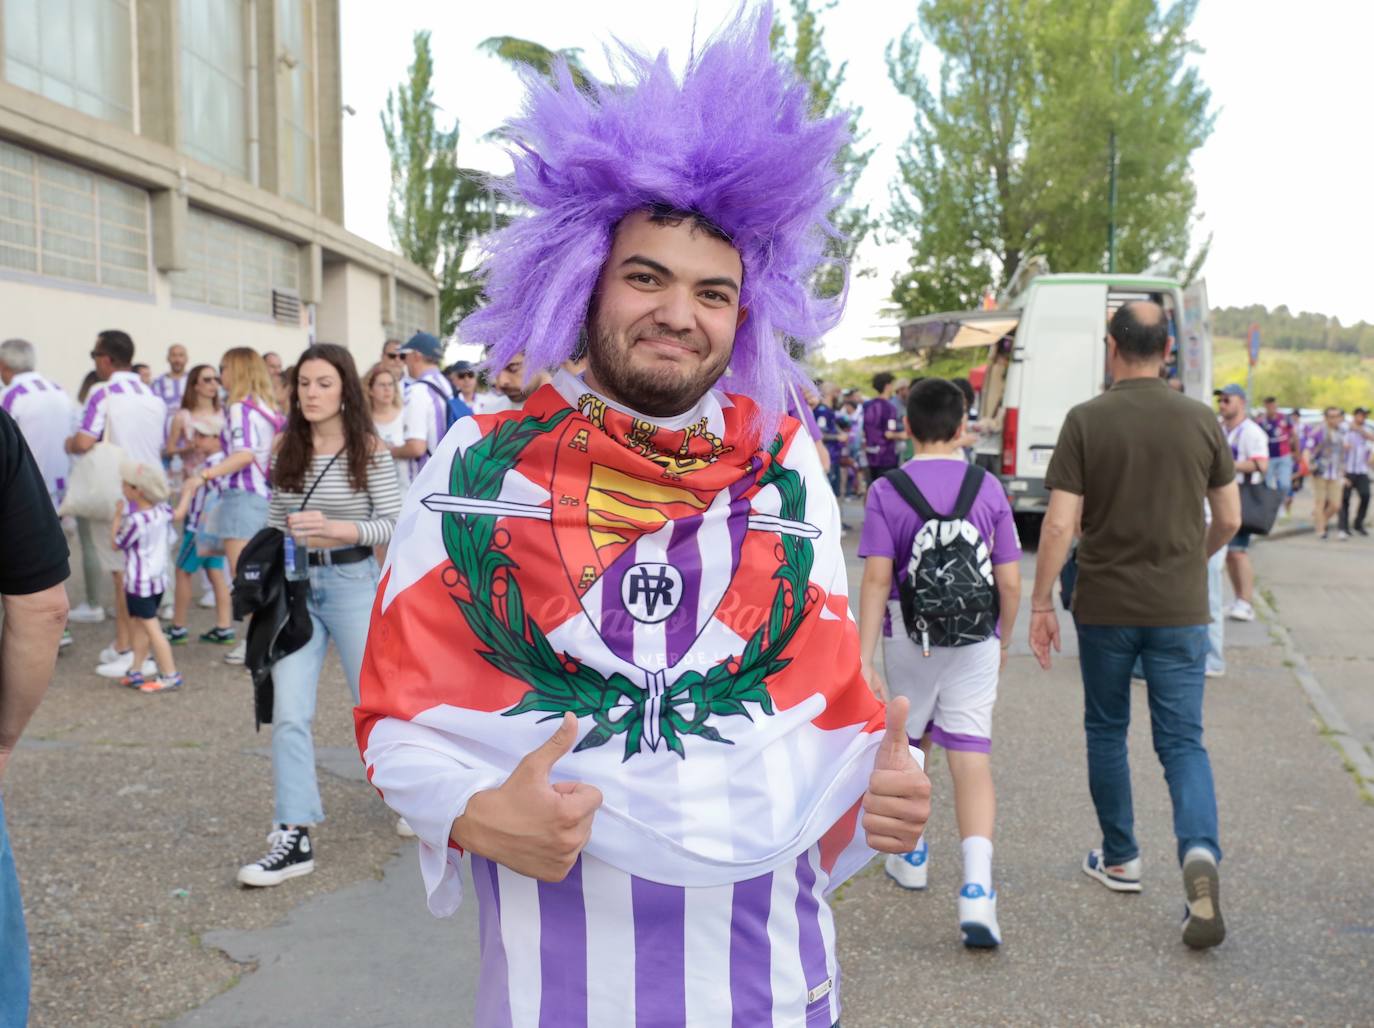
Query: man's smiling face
point(662, 325)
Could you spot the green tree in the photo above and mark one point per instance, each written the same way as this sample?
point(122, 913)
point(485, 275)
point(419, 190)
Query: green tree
point(525, 53)
point(804, 49)
point(1009, 153)
point(436, 208)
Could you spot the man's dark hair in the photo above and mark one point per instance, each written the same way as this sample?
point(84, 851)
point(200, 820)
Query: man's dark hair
point(882, 380)
point(935, 409)
point(965, 387)
point(139, 367)
point(117, 346)
point(1141, 331)
point(667, 214)
point(1271, 399)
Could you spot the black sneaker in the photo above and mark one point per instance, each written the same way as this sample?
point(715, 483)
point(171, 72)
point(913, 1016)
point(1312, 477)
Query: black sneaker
point(219, 637)
point(176, 634)
point(290, 855)
point(1359, 530)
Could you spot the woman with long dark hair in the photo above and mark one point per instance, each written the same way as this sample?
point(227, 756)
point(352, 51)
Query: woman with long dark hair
point(335, 493)
point(200, 400)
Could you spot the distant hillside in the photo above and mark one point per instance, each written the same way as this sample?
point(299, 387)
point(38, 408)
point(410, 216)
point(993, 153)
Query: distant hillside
point(1283, 330)
point(1304, 379)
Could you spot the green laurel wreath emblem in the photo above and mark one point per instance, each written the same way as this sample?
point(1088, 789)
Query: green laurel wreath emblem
point(515, 644)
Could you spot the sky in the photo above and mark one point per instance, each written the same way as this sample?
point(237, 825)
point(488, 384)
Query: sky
point(1283, 182)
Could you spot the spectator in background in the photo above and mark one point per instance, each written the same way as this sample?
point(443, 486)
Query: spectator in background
point(1357, 462)
point(510, 381)
point(171, 385)
point(1325, 452)
point(1298, 433)
point(144, 373)
point(1279, 474)
point(199, 399)
point(126, 412)
point(970, 437)
point(391, 358)
point(851, 420)
point(1133, 466)
point(426, 403)
point(827, 420)
point(33, 566)
point(143, 533)
point(882, 428)
point(463, 377)
point(274, 369)
point(1250, 452)
point(89, 611)
point(384, 402)
point(251, 425)
point(799, 406)
point(41, 409)
point(207, 432)
point(328, 446)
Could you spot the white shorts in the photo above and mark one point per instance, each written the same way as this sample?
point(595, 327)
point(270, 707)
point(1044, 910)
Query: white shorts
point(951, 692)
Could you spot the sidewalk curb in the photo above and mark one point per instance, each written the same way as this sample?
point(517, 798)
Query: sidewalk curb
point(1334, 722)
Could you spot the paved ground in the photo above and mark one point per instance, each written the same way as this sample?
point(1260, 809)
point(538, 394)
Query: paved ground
point(119, 803)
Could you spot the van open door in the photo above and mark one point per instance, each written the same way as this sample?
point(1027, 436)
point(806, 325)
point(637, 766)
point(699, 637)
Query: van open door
point(1195, 343)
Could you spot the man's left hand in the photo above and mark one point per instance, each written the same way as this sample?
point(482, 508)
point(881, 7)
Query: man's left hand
point(897, 804)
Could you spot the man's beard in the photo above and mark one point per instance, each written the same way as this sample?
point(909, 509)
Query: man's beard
point(661, 391)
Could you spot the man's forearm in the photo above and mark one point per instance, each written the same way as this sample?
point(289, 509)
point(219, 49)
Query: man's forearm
point(28, 653)
point(1218, 535)
point(1055, 540)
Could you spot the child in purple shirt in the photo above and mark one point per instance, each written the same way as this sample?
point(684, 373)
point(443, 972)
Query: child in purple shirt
point(142, 529)
point(952, 690)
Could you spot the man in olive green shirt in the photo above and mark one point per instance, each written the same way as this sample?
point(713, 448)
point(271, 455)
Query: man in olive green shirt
point(1132, 467)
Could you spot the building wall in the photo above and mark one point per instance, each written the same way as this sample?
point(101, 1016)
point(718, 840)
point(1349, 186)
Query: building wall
point(350, 313)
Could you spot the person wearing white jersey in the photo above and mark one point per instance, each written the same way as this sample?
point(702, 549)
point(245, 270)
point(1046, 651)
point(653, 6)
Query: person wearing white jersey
point(426, 402)
point(124, 411)
point(1250, 450)
point(42, 410)
point(170, 386)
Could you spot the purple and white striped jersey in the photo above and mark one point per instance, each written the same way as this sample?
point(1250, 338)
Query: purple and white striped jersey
point(426, 414)
point(170, 389)
point(144, 537)
point(250, 425)
point(130, 414)
point(43, 413)
point(1356, 450)
point(196, 509)
point(603, 949)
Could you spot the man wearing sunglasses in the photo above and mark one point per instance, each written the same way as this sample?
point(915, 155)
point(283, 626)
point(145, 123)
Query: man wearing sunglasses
point(463, 377)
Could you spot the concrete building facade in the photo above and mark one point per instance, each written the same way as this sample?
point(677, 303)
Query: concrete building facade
point(173, 168)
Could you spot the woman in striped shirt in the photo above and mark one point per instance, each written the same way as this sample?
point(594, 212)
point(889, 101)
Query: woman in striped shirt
point(335, 492)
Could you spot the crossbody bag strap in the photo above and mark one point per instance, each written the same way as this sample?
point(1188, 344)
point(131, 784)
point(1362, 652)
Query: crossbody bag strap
point(320, 478)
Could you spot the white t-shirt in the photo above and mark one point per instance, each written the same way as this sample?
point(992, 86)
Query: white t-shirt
point(1248, 441)
point(426, 414)
point(43, 413)
point(393, 434)
point(128, 414)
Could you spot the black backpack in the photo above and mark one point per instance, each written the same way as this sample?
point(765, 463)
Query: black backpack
point(948, 596)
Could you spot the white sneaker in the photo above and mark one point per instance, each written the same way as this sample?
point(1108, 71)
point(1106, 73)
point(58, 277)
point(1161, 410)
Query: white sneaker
point(238, 654)
point(1117, 877)
point(166, 611)
point(1213, 672)
point(119, 667)
point(207, 600)
point(909, 870)
point(85, 614)
point(978, 918)
point(111, 652)
point(403, 829)
point(1342, 535)
point(1241, 611)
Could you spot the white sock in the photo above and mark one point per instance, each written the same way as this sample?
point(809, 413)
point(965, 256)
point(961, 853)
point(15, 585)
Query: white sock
point(978, 861)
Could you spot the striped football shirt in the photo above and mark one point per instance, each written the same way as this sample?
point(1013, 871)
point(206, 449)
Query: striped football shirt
point(43, 413)
point(252, 426)
point(143, 536)
point(195, 510)
point(374, 508)
point(604, 948)
point(127, 411)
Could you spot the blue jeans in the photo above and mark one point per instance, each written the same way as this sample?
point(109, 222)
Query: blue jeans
point(14, 940)
point(1173, 660)
point(1279, 474)
point(340, 608)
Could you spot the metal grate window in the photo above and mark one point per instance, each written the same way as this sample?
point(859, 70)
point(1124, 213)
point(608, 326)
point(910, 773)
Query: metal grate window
point(59, 220)
point(414, 312)
point(235, 267)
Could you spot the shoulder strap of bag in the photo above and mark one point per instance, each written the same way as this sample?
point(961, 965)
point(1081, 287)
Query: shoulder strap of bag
point(907, 489)
point(968, 492)
point(320, 478)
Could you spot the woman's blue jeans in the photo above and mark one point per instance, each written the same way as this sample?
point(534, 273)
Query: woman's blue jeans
point(340, 609)
point(1173, 660)
point(14, 941)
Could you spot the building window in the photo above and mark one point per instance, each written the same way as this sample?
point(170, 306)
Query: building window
point(296, 99)
point(234, 267)
point(77, 52)
point(214, 87)
point(414, 312)
point(62, 221)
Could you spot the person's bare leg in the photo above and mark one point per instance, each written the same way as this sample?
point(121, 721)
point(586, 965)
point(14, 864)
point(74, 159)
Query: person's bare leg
point(223, 609)
point(162, 649)
point(975, 802)
point(140, 642)
point(1245, 573)
point(1233, 572)
point(232, 549)
point(123, 638)
point(182, 603)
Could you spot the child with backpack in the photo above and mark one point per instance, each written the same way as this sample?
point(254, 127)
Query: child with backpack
point(941, 587)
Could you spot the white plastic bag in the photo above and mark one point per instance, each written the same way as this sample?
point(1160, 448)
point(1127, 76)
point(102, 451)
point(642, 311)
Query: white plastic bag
point(95, 484)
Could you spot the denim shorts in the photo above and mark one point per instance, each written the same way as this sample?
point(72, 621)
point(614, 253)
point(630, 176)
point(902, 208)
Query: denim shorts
point(1240, 542)
point(238, 515)
point(190, 560)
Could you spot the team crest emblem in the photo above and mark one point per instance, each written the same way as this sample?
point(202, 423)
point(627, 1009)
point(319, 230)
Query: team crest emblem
point(646, 560)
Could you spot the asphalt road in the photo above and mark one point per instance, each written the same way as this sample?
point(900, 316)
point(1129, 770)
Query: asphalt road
point(129, 815)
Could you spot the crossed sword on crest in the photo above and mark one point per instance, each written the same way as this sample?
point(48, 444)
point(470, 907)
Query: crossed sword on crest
point(655, 682)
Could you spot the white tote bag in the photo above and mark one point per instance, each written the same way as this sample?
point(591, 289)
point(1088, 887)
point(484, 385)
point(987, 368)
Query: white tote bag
point(95, 485)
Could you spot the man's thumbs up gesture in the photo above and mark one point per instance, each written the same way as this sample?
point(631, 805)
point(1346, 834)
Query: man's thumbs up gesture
point(897, 804)
point(531, 825)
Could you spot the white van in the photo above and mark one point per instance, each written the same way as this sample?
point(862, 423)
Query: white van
point(1046, 352)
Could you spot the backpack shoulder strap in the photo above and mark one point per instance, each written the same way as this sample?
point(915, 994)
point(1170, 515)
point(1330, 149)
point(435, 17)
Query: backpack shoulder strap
point(968, 491)
point(908, 491)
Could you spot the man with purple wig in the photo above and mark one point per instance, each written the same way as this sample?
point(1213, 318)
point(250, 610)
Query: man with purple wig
point(653, 564)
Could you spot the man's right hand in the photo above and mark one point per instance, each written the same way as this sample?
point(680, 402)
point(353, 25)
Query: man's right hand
point(531, 825)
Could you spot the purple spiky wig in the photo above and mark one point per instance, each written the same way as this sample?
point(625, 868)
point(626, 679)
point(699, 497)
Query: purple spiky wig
point(733, 141)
